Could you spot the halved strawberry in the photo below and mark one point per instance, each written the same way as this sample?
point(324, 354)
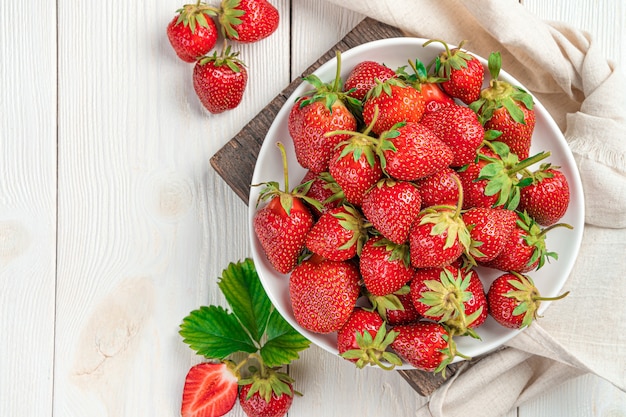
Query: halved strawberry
point(210, 390)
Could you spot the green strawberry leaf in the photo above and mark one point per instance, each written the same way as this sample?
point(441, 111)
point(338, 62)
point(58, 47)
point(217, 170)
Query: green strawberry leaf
point(215, 333)
point(283, 342)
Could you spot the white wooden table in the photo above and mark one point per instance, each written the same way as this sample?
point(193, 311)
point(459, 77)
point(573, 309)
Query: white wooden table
point(113, 226)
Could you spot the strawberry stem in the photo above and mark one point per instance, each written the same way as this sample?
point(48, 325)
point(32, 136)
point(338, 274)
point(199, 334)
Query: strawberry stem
point(285, 169)
point(547, 229)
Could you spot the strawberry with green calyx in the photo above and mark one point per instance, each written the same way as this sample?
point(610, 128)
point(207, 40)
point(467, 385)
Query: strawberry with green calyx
point(385, 266)
point(426, 345)
point(508, 109)
point(439, 236)
point(363, 78)
point(489, 229)
point(514, 300)
point(393, 102)
point(547, 196)
point(323, 293)
point(253, 328)
point(220, 80)
point(339, 234)
point(323, 188)
point(428, 85)
point(463, 72)
point(395, 308)
point(391, 206)
point(283, 224)
point(192, 32)
point(364, 340)
point(525, 249)
point(248, 21)
point(324, 109)
point(266, 392)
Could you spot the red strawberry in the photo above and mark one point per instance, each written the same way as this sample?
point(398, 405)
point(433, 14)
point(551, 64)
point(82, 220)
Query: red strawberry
point(323, 293)
point(210, 390)
point(405, 315)
point(363, 340)
point(320, 111)
point(463, 71)
point(192, 32)
point(248, 21)
point(546, 199)
point(324, 189)
point(507, 109)
point(338, 235)
point(282, 225)
point(392, 206)
point(266, 394)
point(385, 266)
point(391, 102)
point(513, 300)
point(363, 78)
point(489, 229)
point(426, 345)
point(440, 188)
point(415, 152)
point(429, 86)
point(220, 81)
point(459, 128)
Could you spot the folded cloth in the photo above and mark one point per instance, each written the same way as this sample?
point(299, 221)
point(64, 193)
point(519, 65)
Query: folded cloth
point(586, 95)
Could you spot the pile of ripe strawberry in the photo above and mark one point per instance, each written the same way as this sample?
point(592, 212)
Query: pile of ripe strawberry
point(220, 80)
point(415, 177)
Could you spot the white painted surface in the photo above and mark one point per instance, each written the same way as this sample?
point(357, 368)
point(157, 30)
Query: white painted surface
point(113, 225)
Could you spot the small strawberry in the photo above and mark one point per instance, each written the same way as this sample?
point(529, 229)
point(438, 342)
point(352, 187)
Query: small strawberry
point(411, 151)
point(393, 101)
point(283, 224)
point(507, 109)
point(463, 71)
point(440, 188)
point(363, 78)
point(363, 339)
point(545, 199)
point(324, 189)
point(405, 315)
point(428, 85)
point(339, 234)
point(192, 32)
point(426, 345)
point(385, 266)
point(266, 393)
point(489, 229)
point(458, 127)
point(319, 111)
point(248, 21)
point(514, 300)
point(220, 81)
point(323, 293)
point(392, 206)
point(210, 390)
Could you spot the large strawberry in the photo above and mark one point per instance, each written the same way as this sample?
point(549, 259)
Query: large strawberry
point(283, 224)
point(323, 293)
point(363, 78)
point(459, 128)
point(192, 32)
point(320, 111)
point(248, 21)
point(411, 151)
point(220, 81)
point(508, 109)
point(363, 340)
point(440, 188)
point(514, 300)
point(210, 390)
point(392, 206)
point(428, 85)
point(385, 266)
point(547, 197)
point(390, 102)
point(339, 234)
point(463, 71)
point(426, 345)
point(489, 229)
point(266, 393)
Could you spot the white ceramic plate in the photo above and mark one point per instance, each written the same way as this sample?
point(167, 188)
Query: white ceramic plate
point(396, 52)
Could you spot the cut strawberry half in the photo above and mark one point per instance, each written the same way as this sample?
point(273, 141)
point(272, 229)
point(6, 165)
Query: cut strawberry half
point(210, 390)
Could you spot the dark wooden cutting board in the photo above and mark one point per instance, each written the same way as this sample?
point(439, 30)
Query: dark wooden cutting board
point(235, 161)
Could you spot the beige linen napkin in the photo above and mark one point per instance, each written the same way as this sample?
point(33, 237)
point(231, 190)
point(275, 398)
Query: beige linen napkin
point(586, 95)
